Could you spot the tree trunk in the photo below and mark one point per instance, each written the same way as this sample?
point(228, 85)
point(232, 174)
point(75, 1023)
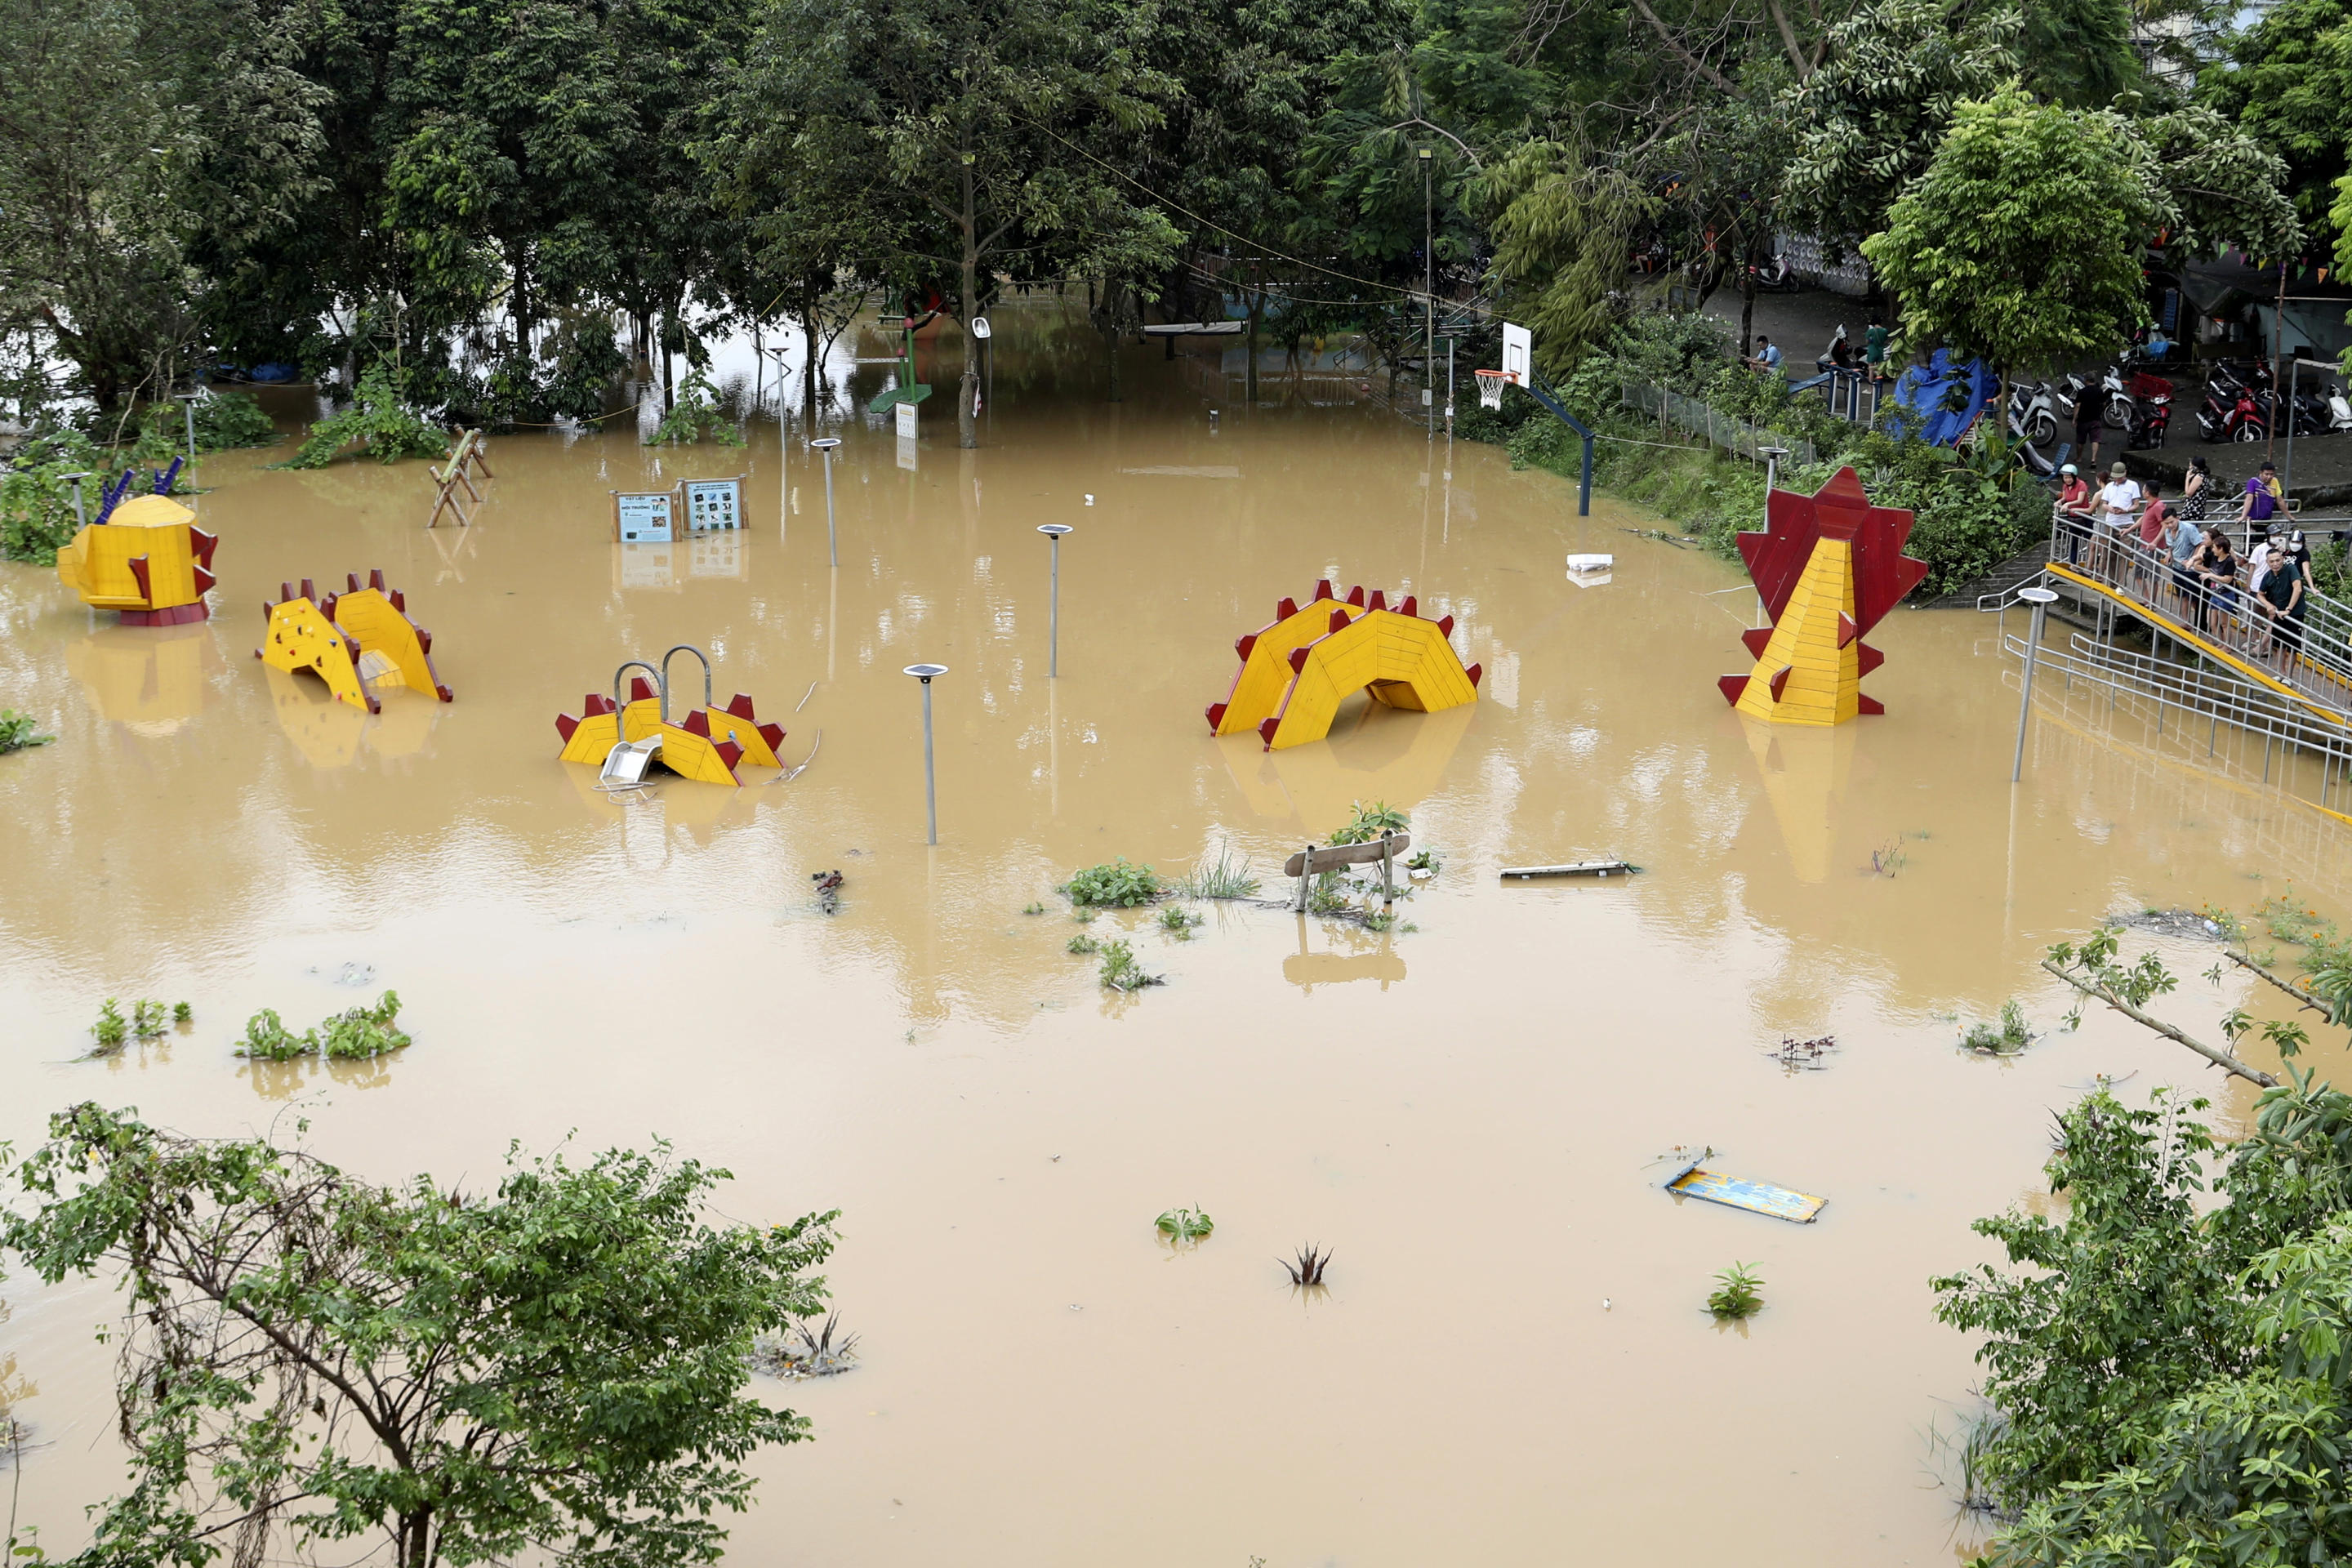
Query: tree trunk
point(808, 371)
point(967, 390)
point(668, 371)
point(1250, 370)
point(1748, 300)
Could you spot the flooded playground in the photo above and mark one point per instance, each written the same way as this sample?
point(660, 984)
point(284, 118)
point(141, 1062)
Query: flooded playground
point(1471, 1109)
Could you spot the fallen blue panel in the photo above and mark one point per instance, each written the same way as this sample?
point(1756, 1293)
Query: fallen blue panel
point(1761, 1197)
point(1926, 394)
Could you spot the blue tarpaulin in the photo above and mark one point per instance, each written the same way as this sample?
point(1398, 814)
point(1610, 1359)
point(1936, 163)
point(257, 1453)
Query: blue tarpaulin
point(1926, 395)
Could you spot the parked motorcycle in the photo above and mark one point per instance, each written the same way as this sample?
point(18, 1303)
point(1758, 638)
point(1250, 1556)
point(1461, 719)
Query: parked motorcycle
point(2340, 409)
point(2032, 413)
point(2151, 416)
point(2232, 411)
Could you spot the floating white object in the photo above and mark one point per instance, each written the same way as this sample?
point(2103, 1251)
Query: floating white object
point(1590, 563)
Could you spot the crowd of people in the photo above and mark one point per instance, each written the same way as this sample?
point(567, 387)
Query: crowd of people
point(2179, 556)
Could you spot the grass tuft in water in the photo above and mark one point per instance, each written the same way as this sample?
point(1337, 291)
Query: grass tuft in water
point(2006, 1038)
point(1219, 878)
point(1185, 1225)
point(1082, 943)
point(1179, 922)
point(1307, 1267)
point(801, 1352)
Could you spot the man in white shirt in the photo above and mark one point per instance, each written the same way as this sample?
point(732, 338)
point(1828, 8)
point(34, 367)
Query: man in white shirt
point(2119, 501)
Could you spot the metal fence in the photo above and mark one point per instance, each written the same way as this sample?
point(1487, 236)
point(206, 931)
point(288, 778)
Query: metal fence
point(1741, 437)
point(2302, 754)
point(2311, 652)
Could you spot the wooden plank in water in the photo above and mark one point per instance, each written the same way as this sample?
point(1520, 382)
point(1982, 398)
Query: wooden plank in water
point(1573, 868)
point(1759, 1198)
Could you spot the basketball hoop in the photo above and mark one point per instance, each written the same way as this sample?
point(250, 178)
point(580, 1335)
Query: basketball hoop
point(1490, 387)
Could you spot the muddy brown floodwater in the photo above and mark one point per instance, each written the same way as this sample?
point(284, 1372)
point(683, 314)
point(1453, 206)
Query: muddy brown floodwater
point(1511, 1362)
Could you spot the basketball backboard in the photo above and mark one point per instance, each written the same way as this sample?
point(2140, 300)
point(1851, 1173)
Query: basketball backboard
point(1518, 353)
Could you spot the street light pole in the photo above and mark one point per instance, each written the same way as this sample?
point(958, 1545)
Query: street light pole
point(187, 401)
point(1428, 298)
point(1053, 532)
point(2040, 599)
point(923, 672)
point(826, 443)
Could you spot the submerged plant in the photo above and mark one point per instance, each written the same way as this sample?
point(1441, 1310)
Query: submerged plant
point(1179, 922)
point(1185, 1225)
point(378, 418)
point(1115, 885)
point(20, 731)
point(1033, 909)
point(1736, 1296)
point(182, 1013)
point(1307, 1268)
point(148, 1019)
point(695, 416)
point(1367, 822)
point(1220, 878)
point(1120, 969)
point(111, 1029)
point(1422, 860)
point(1082, 943)
point(357, 1032)
point(801, 1352)
point(2006, 1038)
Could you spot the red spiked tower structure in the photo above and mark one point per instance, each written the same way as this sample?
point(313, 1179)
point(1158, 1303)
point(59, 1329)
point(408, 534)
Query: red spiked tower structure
point(1829, 567)
point(1298, 669)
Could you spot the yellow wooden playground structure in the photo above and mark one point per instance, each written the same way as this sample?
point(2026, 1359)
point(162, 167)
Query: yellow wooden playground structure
point(626, 739)
point(354, 640)
point(145, 558)
point(1296, 671)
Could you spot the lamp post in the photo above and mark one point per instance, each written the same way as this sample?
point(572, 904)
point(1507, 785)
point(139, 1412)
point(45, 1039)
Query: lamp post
point(826, 443)
point(923, 672)
point(187, 401)
point(1428, 298)
point(2040, 599)
point(1053, 532)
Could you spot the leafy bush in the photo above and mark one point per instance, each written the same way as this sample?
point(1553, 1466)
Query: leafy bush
point(36, 509)
point(111, 1028)
point(380, 419)
point(695, 416)
point(225, 420)
point(1365, 823)
point(1116, 884)
point(356, 1032)
point(19, 732)
point(1736, 1296)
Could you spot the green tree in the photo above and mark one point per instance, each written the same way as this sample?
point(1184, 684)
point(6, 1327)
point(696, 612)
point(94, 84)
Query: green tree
point(2021, 241)
point(974, 114)
point(555, 1368)
point(2287, 82)
point(1868, 122)
point(2079, 53)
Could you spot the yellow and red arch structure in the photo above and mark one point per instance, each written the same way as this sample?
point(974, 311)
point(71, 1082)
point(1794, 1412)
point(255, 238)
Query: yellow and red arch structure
point(1298, 669)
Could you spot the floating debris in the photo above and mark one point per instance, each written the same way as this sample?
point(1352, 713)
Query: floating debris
point(1573, 868)
point(1803, 1055)
point(1735, 1191)
point(2192, 924)
point(828, 890)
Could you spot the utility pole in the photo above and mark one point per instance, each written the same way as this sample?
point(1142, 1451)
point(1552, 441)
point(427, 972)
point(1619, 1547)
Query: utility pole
point(1429, 299)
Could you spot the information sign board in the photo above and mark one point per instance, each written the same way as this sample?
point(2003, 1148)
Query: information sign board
point(644, 516)
point(714, 505)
